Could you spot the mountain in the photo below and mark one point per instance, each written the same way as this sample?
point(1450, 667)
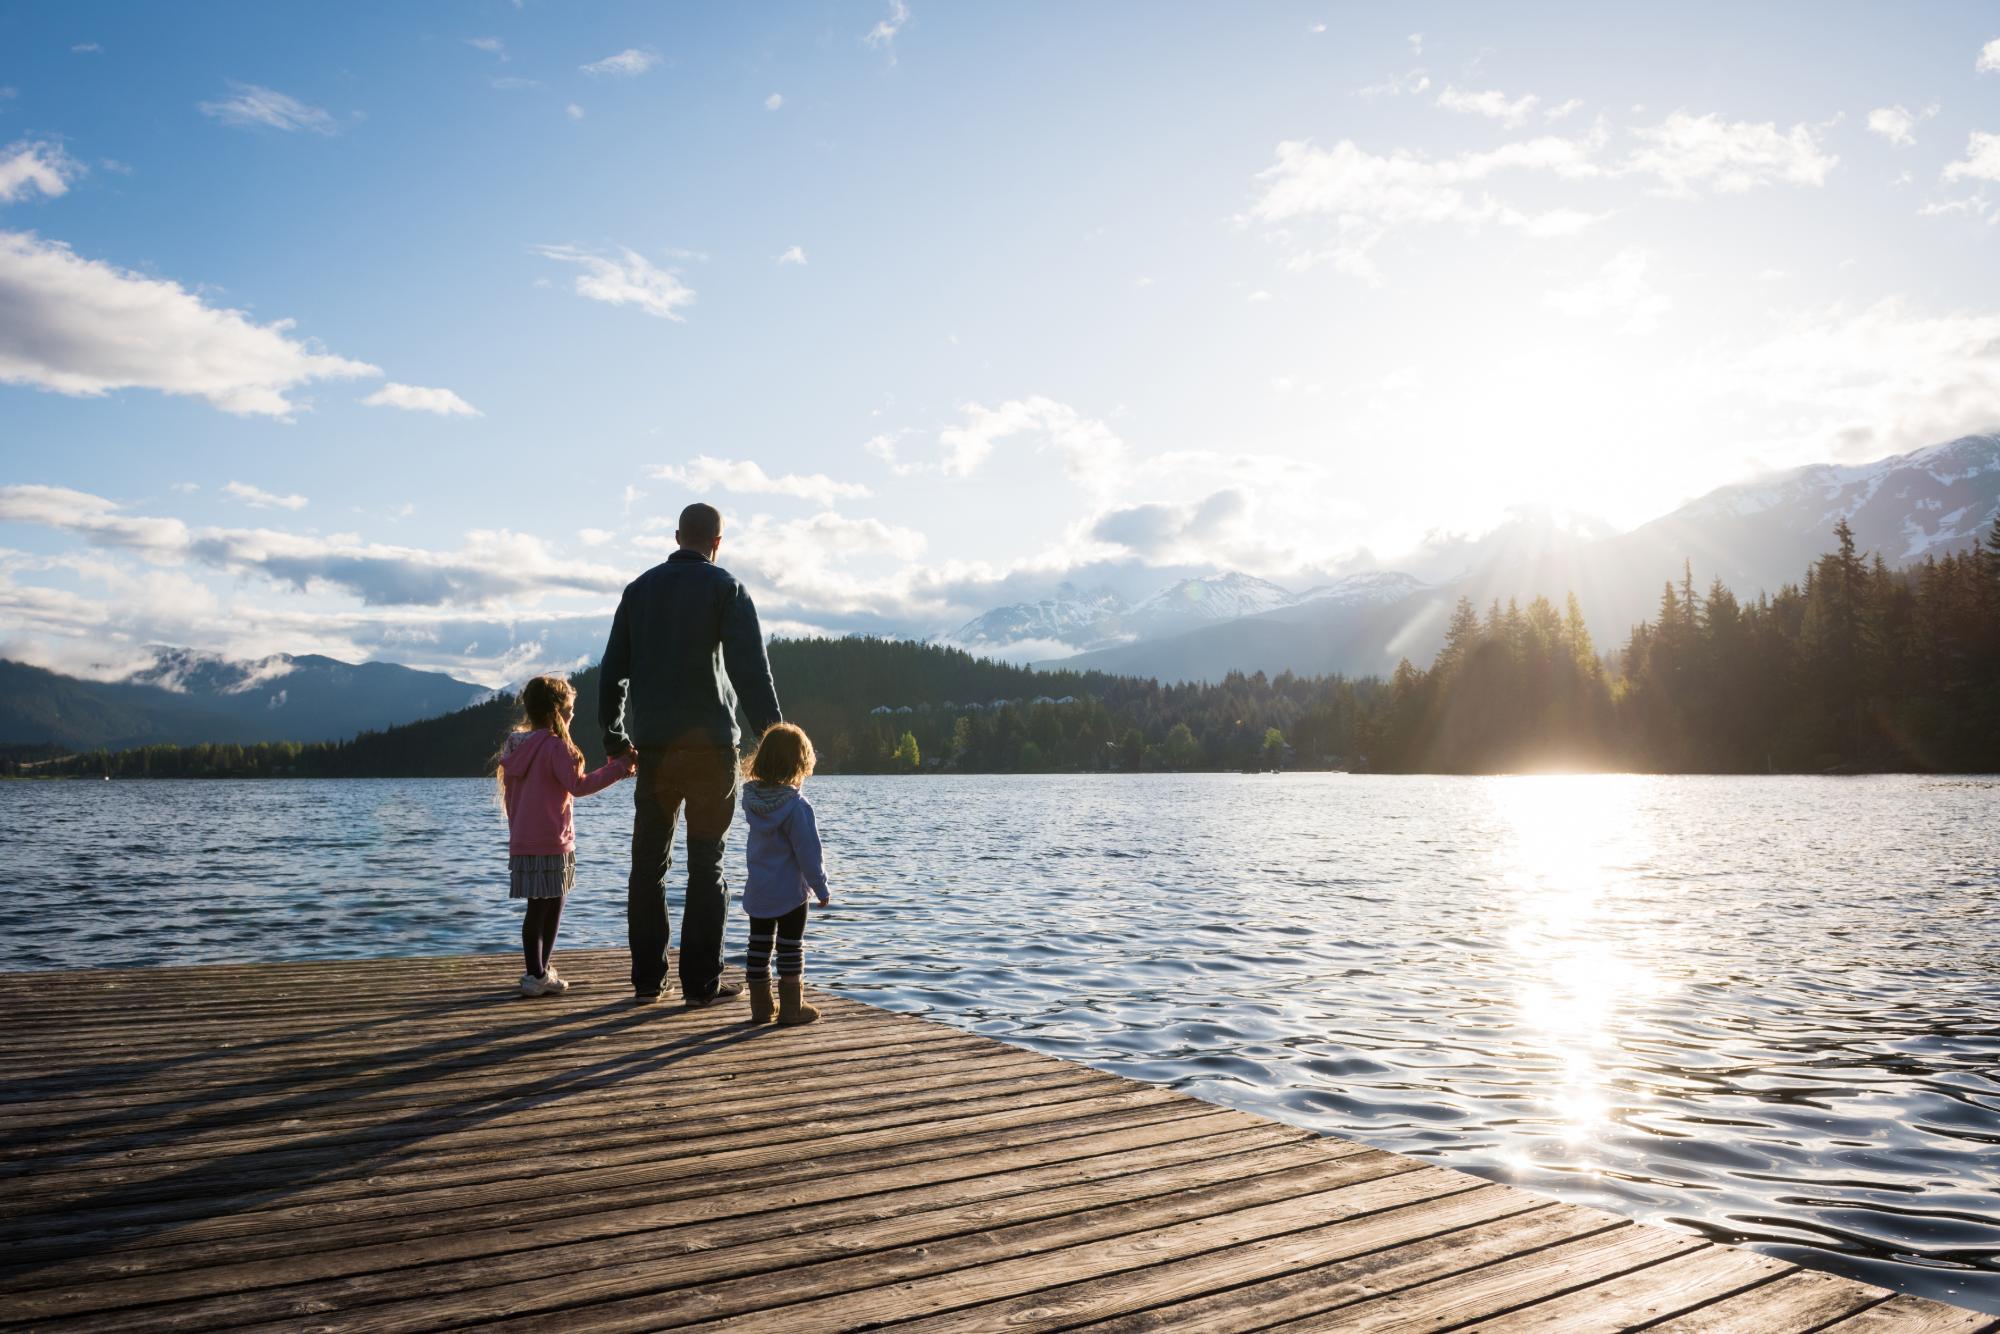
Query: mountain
point(184, 697)
point(1072, 617)
point(1755, 536)
point(1192, 603)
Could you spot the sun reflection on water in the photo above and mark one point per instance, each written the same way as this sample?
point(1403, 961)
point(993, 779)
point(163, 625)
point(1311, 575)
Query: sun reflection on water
point(1583, 946)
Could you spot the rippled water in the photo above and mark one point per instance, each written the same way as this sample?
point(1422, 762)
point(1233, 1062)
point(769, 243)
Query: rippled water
point(1765, 1009)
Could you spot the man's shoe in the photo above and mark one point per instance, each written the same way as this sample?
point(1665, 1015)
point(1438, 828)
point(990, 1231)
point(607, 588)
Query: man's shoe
point(723, 991)
point(553, 985)
point(645, 998)
point(530, 985)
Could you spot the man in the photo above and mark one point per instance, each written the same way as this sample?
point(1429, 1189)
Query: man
point(684, 635)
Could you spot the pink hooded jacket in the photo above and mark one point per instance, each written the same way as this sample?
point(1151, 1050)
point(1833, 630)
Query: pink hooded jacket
point(541, 777)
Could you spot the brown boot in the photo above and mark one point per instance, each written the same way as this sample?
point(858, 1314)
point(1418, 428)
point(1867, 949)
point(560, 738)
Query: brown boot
point(762, 1009)
point(792, 1008)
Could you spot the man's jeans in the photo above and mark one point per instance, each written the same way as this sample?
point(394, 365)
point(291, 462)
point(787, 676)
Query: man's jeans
point(703, 778)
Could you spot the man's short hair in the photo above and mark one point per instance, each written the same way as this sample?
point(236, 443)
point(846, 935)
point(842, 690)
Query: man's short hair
point(700, 525)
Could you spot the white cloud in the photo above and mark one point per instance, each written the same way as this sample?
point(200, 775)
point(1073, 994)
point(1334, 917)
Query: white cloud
point(595, 537)
point(1364, 195)
point(883, 35)
point(94, 518)
point(1493, 104)
point(1161, 530)
point(627, 279)
point(1989, 58)
point(1895, 123)
point(1974, 206)
point(1982, 159)
point(35, 165)
point(254, 105)
point(1685, 152)
point(81, 327)
point(774, 101)
point(1885, 379)
point(631, 61)
point(1620, 290)
point(87, 49)
point(492, 565)
point(508, 83)
point(573, 111)
point(795, 255)
point(1416, 40)
point(492, 46)
point(415, 398)
point(1416, 81)
point(1090, 450)
point(705, 474)
point(1259, 295)
point(258, 498)
point(1315, 28)
point(1556, 113)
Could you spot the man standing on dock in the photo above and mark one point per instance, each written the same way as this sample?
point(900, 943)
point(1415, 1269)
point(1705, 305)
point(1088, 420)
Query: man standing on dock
point(684, 647)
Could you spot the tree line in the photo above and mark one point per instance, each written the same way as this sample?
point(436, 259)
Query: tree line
point(1856, 667)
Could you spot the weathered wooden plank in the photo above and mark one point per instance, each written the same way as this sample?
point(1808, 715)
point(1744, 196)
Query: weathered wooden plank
point(240, 1121)
point(487, 1135)
point(720, 1244)
point(1392, 1251)
point(404, 1144)
point(1446, 1303)
point(1007, 1263)
point(258, 1227)
point(367, 1085)
point(1168, 1287)
point(1799, 1301)
point(1137, 1133)
point(1672, 1287)
point(1913, 1315)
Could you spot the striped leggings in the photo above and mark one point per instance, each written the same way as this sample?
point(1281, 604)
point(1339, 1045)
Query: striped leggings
point(788, 934)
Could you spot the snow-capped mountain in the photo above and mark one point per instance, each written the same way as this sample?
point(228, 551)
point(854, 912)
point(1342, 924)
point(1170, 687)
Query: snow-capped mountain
point(185, 696)
point(1368, 588)
point(1755, 537)
point(1078, 622)
point(1205, 601)
point(1072, 617)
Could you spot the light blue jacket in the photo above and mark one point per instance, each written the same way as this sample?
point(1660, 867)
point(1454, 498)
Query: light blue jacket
point(785, 857)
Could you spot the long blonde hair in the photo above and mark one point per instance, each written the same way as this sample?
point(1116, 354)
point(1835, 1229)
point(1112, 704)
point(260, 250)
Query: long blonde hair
point(543, 701)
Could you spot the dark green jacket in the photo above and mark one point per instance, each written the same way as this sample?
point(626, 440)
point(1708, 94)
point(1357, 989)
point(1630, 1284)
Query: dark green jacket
point(685, 648)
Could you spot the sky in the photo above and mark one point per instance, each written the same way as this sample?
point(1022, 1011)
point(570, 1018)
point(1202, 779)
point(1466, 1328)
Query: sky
point(403, 332)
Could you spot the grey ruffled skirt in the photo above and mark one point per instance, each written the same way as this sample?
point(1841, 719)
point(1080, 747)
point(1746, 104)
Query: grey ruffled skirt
point(533, 877)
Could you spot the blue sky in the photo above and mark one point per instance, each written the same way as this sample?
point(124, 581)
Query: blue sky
point(942, 304)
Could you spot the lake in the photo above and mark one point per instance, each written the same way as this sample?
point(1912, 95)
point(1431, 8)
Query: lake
point(1766, 1009)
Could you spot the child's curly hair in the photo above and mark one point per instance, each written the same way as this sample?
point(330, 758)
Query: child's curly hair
point(784, 755)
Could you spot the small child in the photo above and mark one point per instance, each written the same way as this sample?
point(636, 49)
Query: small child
point(785, 859)
point(540, 770)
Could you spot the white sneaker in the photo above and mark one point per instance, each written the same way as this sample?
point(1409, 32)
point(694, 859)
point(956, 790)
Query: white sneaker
point(530, 985)
point(552, 985)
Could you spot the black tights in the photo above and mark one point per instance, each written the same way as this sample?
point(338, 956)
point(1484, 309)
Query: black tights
point(538, 933)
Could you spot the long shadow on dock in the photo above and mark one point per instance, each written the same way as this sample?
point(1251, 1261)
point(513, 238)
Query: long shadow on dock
point(72, 1226)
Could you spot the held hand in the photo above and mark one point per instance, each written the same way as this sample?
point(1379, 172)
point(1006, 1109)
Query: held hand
point(825, 901)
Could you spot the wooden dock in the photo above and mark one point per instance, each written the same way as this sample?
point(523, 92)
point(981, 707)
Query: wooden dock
point(406, 1145)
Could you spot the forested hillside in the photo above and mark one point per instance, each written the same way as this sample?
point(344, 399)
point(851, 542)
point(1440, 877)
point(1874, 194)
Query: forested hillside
point(1857, 666)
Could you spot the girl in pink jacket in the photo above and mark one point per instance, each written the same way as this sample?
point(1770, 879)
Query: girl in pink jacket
point(541, 771)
